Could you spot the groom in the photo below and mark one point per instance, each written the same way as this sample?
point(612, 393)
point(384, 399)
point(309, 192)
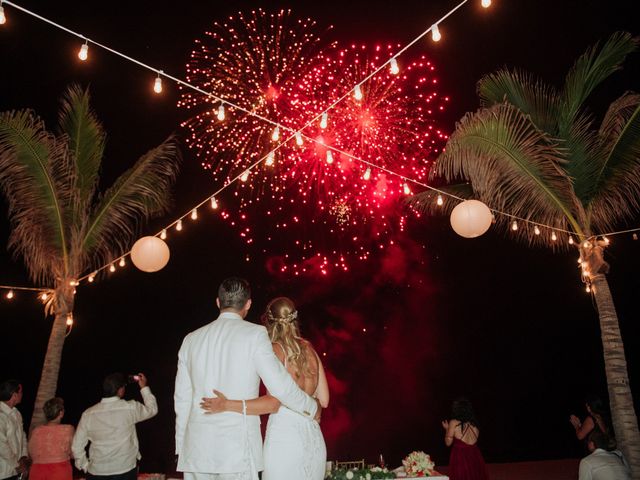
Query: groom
point(230, 355)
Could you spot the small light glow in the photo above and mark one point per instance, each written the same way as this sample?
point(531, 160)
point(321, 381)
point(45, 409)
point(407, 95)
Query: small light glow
point(635, 236)
point(122, 262)
point(69, 319)
point(536, 230)
point(91, 278)
point(275, 136)
point(163, 234)
point(514, 226)
point(3, 18)
point(112, 268)
point(83, 54)
point(221, 112)
point(606, 240)
point(439, 201)
point(406, 189)
point(554, 237)
point(194, 214)
point(299, 139)
point(570, 240)
point(157, 86)
point(393, 66)
point(435, 33)
point(367, 174)
point(485, 3)
point(10, 294)
point(357, 93)
point(588, 288)
point(586, 244)
point(329, 157)
point(179, 225)
point(44, 297)
point(245, 176)
point(269, 161)
point(324, 120)
point(214, 203)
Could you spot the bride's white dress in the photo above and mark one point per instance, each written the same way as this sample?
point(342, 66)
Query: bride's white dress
point(294, 447)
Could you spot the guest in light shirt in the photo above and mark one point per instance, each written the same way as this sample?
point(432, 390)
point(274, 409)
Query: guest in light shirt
point(14, 458)
point(50, 445)
point(602, 464)
point(110, 426)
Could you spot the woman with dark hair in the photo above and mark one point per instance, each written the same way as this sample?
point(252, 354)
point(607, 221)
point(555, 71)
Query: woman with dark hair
point(50, 445)
point(461, 434)
point(597, 418)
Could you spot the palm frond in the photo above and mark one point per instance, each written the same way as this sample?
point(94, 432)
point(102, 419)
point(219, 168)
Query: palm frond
point(34, 177)
point(139, 193)
point(522, 90)
point(616, 184)
point(86, 138)
point(591, 69)
point(513, 168)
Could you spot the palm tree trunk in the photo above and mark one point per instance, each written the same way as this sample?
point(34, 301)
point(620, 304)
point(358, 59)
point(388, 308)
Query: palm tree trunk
point(49, 378)
point(623, 414)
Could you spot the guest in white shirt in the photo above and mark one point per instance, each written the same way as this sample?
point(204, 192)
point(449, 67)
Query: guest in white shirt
point(110, 426)
point(602, 464)
point(14, 458)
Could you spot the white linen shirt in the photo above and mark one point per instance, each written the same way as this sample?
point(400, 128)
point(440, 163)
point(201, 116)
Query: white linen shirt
point(110, 426)
point(13, 440)
point(603, 465)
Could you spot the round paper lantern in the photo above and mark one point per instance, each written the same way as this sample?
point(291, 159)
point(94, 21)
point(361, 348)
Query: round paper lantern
point(150, 254)
point(471, 218)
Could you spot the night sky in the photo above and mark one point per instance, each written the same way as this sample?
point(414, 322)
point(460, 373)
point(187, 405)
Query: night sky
point(504, 324)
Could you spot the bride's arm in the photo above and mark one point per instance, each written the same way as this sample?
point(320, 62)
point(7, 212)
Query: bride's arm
point(256, 406)
point(322, 390)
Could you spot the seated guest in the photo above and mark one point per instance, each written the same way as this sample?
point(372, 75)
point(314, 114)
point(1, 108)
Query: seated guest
point(50, 445)
point(602, 464)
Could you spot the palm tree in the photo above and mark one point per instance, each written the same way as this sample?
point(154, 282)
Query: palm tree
point(61, 225)
point(535, 152)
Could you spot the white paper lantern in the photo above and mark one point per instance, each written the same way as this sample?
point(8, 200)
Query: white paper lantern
point(150, 254)
point(471, 218)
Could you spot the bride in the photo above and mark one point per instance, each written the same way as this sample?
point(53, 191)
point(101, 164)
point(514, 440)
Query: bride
point(294, 448)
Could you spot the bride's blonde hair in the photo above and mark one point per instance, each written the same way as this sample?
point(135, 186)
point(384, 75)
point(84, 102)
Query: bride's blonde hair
point(281, 320)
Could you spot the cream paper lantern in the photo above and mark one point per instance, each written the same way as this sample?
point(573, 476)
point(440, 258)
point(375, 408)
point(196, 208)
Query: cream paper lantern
point(150, 254)
point(471, 218)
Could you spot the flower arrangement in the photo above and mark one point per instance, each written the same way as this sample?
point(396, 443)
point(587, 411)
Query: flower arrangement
point(375, 473)
point(418, 464)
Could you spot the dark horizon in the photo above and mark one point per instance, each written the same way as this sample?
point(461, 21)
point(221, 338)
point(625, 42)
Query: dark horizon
point(507, 325)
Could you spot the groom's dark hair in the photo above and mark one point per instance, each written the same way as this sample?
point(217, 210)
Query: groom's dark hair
point(234, 293)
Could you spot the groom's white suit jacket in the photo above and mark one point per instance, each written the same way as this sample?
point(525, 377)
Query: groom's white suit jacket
point(230, 355)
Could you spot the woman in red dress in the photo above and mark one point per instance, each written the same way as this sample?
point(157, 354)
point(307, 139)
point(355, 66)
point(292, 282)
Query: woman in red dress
point(461, 434)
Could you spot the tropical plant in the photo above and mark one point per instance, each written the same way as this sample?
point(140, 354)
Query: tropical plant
point(61, 226)
point(535, 152)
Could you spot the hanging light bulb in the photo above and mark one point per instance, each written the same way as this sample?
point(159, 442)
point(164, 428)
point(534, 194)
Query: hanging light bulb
point(179, 225)
point(92, 277)
point(406, 189)
point(83, 54)
point(163, 234)
point(329, 157)
point(122, 262)
point(221, 112)
point(44, 297)
point(298, 139)
point(536, 230)
point(485, 3)
point(10, 294)
point(112, 268)
point(69, 319)
point(269, 161)
point(357, 93)
point(435, 33)
point(554, 237)
point(606, 240)
point(439, 201)
point(393, 66)
point(514, 226)
point(570, 240)
point(588, 289)
point(324, 120)
point(194, 214)
point(245, 176)
point(214, 203)
point(634, 236)
point(3, 18)
point(157, 86)
point(367, 174)
point(275, 136)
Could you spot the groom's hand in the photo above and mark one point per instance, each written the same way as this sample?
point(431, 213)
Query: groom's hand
point(214, 405)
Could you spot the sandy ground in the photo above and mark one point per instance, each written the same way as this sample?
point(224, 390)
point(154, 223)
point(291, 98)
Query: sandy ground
point(544, 470)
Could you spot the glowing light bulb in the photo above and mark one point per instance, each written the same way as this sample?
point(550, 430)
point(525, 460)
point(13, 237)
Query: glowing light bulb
point(586, 244)
point(357, 93)
point(194, 214)
point(122, 262)
point(3, 18)
point(10, 294)
point(554, 237)
point(536, 230)
point(514, 226)
point(485, 3)
point(83, 54)
point(269, 161)
point(221, 112)
point(214, 203)
point(406, 189)
point(112, 268)
point(69, 319)
point(439, 201)
point(588, 289)
point(179, 226)
point(157, 86)
point(245, 176)
point(393, 66)
point(570, 240)
point(329, 157)
point(44, 297)
point(324, 120)
point(606, 240)
point(275, 136)
point(367, 174)
point(435, 33)
point(299, 139)
point(163, 234)
point(91, 278)
point(634, 236)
